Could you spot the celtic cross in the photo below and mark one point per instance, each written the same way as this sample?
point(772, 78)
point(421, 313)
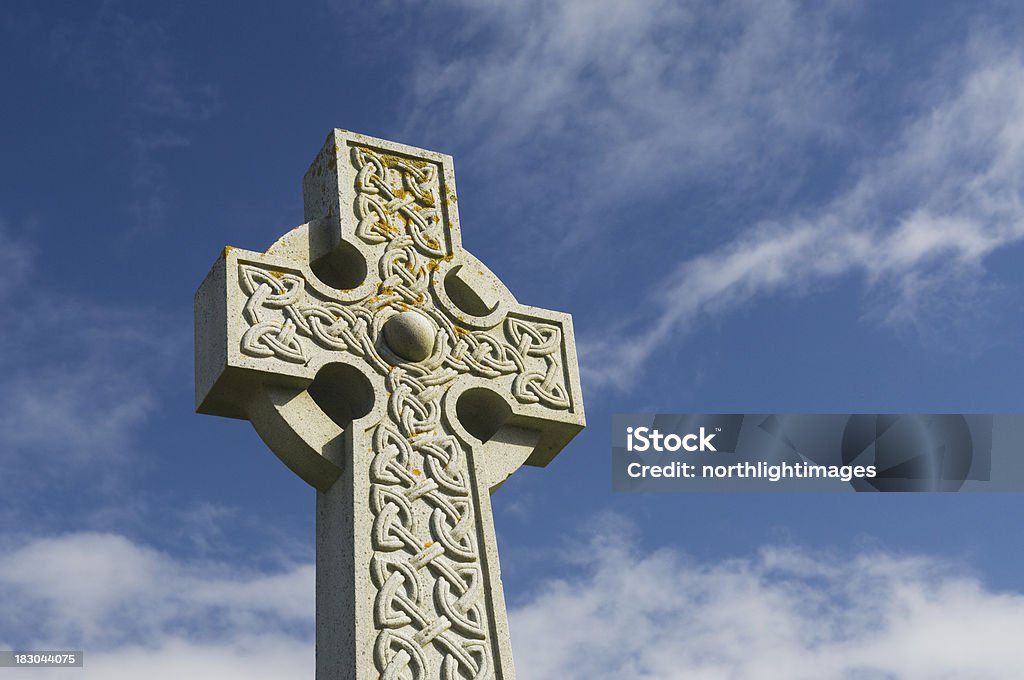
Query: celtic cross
point(392, 371)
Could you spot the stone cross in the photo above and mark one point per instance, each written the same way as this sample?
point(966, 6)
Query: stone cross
point(392, 371)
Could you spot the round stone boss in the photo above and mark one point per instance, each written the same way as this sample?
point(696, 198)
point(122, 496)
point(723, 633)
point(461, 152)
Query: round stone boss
point(410, 335)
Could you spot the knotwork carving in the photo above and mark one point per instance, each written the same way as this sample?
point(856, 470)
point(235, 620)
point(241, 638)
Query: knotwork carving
point(332, 325)
point(545, 342)
point(426, 565)
point(397, 196)
point(281, 311)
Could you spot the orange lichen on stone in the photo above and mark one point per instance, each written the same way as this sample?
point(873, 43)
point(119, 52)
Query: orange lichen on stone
point(391, 160)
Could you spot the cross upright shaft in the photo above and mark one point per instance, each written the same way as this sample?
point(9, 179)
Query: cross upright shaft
point(392, 371)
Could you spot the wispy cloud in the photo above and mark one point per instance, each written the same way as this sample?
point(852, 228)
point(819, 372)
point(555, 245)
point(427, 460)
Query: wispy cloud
point(783, 614)
point(78, 381)
point(133, 62)
point(918, 221)
point(17, 259)
point(79, 378)
point(117, 52)
point(592, 116)
point(618, 101)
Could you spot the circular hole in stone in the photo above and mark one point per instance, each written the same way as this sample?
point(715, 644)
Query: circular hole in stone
point(482, 412)
point(342, 268)
point(464, 297)
point(342, 392)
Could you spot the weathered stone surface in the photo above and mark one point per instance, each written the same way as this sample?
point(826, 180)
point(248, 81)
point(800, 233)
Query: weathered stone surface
point(392, 371)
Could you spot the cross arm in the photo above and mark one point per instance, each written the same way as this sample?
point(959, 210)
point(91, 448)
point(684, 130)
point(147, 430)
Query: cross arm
point(250, 365)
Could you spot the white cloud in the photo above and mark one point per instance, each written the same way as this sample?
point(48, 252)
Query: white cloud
point(921, 218)
point(783, 614)
point(245, 657)
point(138, 612)
point(103, 591)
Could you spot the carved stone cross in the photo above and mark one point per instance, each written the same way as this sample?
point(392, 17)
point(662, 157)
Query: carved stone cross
point(392, 371)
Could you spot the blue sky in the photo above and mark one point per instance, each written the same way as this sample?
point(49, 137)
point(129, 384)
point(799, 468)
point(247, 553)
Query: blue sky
point(747, 206)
